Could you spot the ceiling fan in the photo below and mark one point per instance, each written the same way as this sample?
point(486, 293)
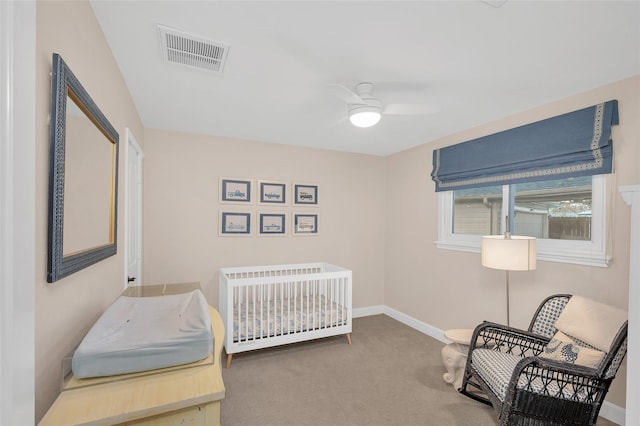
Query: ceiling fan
point(365, 110)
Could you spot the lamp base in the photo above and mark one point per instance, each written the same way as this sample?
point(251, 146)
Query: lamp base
point(508, 316)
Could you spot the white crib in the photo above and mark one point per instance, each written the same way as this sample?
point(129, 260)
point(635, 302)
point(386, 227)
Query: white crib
point(265, 306)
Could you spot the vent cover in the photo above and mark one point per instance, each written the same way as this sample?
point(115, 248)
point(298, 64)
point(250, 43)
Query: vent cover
point(186, 49)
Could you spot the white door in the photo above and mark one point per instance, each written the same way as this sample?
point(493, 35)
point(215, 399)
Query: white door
point(133, 224)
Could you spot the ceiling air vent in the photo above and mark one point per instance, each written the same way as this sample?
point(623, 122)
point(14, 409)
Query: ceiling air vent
point(186, 49)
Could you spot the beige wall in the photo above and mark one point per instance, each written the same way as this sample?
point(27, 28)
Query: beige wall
point(181, 242)
point(449, 289)
point(67, 308)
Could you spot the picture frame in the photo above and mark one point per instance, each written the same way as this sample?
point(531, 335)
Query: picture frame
point(235, 223)
point(305, 194)
point(272, 193)
point(305, 224)
point(233, 190)
point(272, 224)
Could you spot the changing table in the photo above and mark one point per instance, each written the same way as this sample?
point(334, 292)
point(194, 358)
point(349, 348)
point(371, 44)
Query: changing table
point(188, 394)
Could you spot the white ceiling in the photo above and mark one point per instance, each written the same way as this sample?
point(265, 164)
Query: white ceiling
point(475, 61)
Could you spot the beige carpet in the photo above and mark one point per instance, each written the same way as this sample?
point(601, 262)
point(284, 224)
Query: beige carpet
point(390, 375)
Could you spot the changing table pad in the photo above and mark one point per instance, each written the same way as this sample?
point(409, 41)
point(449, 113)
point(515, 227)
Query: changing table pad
point(144, 333)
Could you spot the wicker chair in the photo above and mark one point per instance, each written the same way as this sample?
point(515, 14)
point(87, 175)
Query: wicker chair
point(510, 369)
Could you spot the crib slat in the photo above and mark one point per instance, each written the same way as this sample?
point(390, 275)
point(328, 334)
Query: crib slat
point(246, 307)
point(268, 304)
point(335, 294)
point(282, 318)
point(314, 298)
point(255, 310)
point(295, 307)
point(306, 322)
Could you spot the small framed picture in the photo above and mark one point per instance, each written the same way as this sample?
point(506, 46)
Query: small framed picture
point(272, 192)
point(235, 190)
point(305, 194)
point(235, 223)
point(305, 224)
point(272, 224)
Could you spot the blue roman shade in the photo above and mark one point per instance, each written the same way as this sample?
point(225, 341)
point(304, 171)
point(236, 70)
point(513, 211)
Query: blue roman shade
point(573, 144)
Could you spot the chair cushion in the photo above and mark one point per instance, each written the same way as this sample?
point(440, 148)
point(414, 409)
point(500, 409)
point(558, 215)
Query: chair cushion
point(562, 348)
point(496, 369)
point(592, 322)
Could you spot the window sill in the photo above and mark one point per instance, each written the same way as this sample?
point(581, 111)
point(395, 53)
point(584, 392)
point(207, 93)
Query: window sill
point(573, 257)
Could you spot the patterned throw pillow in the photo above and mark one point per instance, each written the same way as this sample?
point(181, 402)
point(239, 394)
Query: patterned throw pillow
point(562, 348)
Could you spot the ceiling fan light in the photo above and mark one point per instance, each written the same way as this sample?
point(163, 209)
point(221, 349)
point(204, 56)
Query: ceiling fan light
point(365, 119)
point(364, 116)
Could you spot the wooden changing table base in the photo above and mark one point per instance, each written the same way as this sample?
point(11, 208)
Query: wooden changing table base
point(230, 356)
point(205, 414)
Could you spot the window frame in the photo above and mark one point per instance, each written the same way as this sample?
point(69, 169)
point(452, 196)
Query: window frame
point(589, 253)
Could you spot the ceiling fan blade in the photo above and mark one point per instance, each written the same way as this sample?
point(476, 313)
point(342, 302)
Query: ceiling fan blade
point(345, 94)
point(411, 109)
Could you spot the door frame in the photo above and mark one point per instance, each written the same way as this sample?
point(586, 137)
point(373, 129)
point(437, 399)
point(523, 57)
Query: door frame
point(17, 212)
point(131, 142)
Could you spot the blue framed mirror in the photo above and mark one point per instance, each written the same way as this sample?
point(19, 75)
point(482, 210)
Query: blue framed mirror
point(83, 178)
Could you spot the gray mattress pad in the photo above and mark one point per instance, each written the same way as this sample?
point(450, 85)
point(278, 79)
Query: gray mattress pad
point(145, 333)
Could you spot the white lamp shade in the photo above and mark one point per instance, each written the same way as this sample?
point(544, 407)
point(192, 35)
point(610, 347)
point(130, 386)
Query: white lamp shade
point(509, 254)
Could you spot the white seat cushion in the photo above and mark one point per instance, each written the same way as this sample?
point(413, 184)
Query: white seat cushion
point(496, 369)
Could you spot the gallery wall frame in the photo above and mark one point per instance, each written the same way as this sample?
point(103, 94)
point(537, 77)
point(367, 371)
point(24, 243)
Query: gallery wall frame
point(305, 194)
point(305, 224)
point(273, 193)
point(232, 223)
point(236, 190)
point(272, 224)
point(270, 208)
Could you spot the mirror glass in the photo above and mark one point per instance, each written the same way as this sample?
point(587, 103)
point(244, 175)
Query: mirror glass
point(87, 182)
point(83, 178)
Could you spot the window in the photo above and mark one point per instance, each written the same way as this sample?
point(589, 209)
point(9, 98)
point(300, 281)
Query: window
point(548, 177)
point(566, 215)
point(555, 209)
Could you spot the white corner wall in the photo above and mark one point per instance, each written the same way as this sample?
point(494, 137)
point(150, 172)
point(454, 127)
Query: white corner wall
point(17, 209)
point(631, 195)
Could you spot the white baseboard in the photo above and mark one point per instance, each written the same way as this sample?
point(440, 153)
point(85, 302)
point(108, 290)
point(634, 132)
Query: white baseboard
point(613, 413)
point(609, 411)
point(368, 311)
point(423, 327)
